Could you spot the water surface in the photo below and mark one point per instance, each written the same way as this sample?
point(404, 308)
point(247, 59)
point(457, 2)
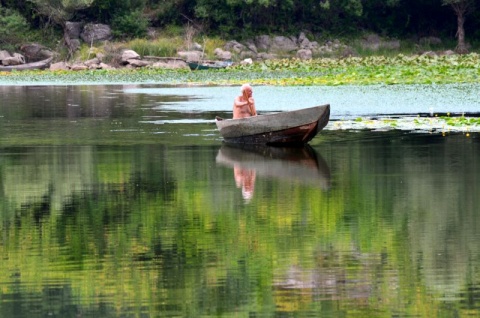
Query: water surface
point(123, 202)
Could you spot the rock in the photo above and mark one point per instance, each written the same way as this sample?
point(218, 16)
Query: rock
point(175, 64)
point(197, 47)
point(92, 62)
point(60, 66)
point(247, 54)
point(128, 55)
point(138, 63)
point(282, 44)
point(250, 45)
point(104, 66)
point(246, 62)
point(234, 46)
point(303, 42)
point(222, 55)
point(36, 52)
point(75, 44)
point(266, 56)
point(16, 59)
point(79, 67)
point(449, 52)
point(304, 54)
point(4, 55)
point(429, 54)
point(96, 32)
point(74, 29)
point(262, 42)
point(190, 55)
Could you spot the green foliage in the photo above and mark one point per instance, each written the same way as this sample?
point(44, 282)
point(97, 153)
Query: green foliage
point(130, 25)
point(13, 28)
point(60, 10)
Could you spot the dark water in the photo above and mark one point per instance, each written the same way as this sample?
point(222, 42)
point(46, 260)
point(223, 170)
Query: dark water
point(115, 204)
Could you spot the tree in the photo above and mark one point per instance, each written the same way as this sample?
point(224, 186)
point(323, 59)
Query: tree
point(59, 12)
point(461, 8)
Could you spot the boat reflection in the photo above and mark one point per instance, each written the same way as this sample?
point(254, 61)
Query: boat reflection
point(301, 165)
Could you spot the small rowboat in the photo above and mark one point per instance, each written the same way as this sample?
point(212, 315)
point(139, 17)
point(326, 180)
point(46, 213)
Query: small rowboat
point(207, 65)
point(28, 66)
point(286, 128)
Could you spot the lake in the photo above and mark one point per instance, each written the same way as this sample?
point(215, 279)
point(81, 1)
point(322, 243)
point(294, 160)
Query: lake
point(122, 201)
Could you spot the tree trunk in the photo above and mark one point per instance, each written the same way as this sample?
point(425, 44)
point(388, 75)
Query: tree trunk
point(461, 46)
point(68, 41)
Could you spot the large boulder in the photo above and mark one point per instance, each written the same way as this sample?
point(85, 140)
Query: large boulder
point(59, 66)
point(96, 32)
point(191, 56)
point(234, 46)
point(262, 42)
point(128, 56)
point(16, 59)
point(222, 55)
point(283, 44)
point(36, 52)
point(73, 29)
point(4, 55)
point(304, 54)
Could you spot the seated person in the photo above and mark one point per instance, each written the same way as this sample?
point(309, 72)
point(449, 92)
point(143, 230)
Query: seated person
point(244, 105)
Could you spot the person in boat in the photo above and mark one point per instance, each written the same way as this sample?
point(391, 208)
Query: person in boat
point(244, 105)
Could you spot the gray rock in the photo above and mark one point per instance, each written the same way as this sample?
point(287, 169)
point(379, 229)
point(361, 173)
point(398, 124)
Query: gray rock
point(92, 62)
point(128, 55)
point(36, 52)
point(250, 45)
point(197, 47)
point(16, 59)
point(282, 44)
point(262, 42)
point(304, 54)
point(104, 66)
point(303, 41)
point(74, 29)
point(234, 46)
point(138, 63)
point(79, 67)
point(75, 44)
point(4, 55)
point(191, 56)
point(60, 66)
point(174, 64)
point(222, 55)
point(96, 32)
point(266, 56)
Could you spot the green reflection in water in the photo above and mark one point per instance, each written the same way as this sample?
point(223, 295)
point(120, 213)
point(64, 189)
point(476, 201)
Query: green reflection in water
point(389, 229)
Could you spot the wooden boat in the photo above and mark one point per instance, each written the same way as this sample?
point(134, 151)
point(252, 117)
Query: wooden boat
point(28, 66)
point(286, 128)
point(298, 164)
point(206, 65)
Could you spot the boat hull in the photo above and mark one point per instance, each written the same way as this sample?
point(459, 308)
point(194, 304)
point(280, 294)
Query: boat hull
point(208, 65)
point(286, 128)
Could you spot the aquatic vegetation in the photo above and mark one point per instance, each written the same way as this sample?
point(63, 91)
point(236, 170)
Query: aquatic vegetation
point(437, 124)
point(400, 69)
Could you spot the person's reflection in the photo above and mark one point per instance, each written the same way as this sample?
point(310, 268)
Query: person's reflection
point(245, 179)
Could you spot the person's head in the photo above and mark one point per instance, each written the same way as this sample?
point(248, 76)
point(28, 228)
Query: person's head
point(246, 90)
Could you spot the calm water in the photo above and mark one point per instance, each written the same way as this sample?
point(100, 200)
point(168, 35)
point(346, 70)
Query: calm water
point(122, 201)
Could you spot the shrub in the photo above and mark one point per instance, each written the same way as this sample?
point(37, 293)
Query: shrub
point(13, 28)
point(130, 25)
